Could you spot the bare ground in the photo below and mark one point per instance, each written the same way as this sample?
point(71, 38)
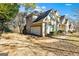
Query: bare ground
point(13, 44)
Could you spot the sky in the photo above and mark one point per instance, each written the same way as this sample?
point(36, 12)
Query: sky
point(63, 8)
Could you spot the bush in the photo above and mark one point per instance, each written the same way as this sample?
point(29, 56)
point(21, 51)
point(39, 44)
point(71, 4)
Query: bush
point(70, 31)
point(51, 33)
point(60, 31)
point(6, 29)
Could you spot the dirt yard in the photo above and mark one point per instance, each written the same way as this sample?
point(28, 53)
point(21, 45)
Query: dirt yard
point(13, 44)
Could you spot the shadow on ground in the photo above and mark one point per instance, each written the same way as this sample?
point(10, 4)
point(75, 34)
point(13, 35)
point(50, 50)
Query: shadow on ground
point(3, 54)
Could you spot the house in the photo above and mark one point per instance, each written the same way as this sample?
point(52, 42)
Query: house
point(72, 27)
point(55, 20)
point(42, 23)
point(76, 25)
point(64, 24)
point(39, 26)
point(45, 22)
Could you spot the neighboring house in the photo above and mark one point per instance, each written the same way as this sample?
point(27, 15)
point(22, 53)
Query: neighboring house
point(72, 27)
point(39, 26)
point(64, 24)
point(55, 20)
point(77, 26)
point(67, 24)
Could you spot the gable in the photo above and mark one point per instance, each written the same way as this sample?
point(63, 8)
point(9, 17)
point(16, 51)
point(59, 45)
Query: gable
point(42, 15)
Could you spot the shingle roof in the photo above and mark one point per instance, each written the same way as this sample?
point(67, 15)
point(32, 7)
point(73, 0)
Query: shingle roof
point(62, 18)
point(42, 15)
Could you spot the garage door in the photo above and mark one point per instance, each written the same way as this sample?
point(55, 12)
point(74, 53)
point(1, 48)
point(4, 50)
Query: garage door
point(36, 30)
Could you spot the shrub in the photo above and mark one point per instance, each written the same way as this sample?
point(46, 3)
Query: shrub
point(51, 33)
point(60, 31)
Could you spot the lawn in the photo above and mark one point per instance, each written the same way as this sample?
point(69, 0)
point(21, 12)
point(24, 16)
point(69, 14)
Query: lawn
point(24, 45)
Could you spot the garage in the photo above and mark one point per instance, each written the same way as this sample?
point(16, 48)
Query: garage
point(36, 30)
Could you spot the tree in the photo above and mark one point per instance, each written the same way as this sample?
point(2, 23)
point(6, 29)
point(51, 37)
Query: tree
point(29, 5)
point(8, 11)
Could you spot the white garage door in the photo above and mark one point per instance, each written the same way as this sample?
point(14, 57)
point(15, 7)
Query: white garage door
point(36, 30)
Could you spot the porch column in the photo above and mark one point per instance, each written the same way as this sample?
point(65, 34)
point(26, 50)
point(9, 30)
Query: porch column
point(43, 29)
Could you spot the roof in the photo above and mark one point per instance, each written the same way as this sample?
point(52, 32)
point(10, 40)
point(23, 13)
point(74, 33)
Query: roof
point(62, 18)
point(42, 15)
